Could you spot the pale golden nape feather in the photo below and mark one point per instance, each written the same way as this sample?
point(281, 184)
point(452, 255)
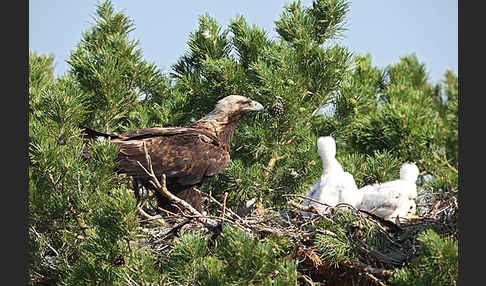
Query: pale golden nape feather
point(222, 120)
point(233, 104)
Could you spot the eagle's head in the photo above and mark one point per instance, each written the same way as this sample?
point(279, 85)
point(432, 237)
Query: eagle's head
point(225, 116)
point(409, 172)
point(237, 104)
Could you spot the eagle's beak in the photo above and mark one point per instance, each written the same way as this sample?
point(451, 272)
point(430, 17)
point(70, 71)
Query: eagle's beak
point(256, 106)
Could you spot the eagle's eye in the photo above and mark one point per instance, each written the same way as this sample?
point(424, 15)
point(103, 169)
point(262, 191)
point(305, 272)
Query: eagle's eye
point(245, 101)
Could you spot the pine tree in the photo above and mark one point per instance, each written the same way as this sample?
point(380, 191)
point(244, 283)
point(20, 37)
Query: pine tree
point(82, 214)
point(110, 70)
point(83, 225)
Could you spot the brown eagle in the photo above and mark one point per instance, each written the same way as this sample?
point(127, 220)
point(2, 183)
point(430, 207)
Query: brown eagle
point(186, 155)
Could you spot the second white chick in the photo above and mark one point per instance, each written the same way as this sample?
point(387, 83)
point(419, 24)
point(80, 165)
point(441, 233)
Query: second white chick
point(394, 198)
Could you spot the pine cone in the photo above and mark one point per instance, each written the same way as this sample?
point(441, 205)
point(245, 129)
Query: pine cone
point(277, 108)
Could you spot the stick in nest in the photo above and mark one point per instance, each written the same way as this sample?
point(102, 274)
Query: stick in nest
point(176, 228)
point(224, 206)
point(148, 217)
point(374, 279)
point(309, 208)
point(235, 218)
point(363, 268)
point(307, 198)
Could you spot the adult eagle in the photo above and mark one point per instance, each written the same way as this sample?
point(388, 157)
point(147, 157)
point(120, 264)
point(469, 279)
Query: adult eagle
point(186, 155)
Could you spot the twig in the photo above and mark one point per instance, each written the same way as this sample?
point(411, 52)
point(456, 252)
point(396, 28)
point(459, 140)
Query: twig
point(234, 218)
point(320, 104)
point(48, 245)
point(310, 208)
point(82, 225)
point(383, 221)
point(162, 186)
point(55, 182)
point(129, 279)
point(306, 198)
point(445, 161)
point(361, 267)
point(175, 229)
point(374, 279)
point(148, 217)
point(307, 279)
point(271, 164)
point(341, 205)
point(319, 231)
point(212, 199)
point(224, 206)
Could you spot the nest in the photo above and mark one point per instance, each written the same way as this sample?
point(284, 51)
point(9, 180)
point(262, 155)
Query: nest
point(376, 246)
point(372, 263)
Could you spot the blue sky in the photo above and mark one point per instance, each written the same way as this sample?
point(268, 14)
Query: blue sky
point(387, 29)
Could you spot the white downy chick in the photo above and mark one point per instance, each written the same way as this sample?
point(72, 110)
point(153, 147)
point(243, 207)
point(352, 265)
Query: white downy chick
point(394, 198)
point(335, 185)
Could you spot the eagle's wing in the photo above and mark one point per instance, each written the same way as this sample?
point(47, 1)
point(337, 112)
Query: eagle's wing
point(138, 133)
point(186, 154)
